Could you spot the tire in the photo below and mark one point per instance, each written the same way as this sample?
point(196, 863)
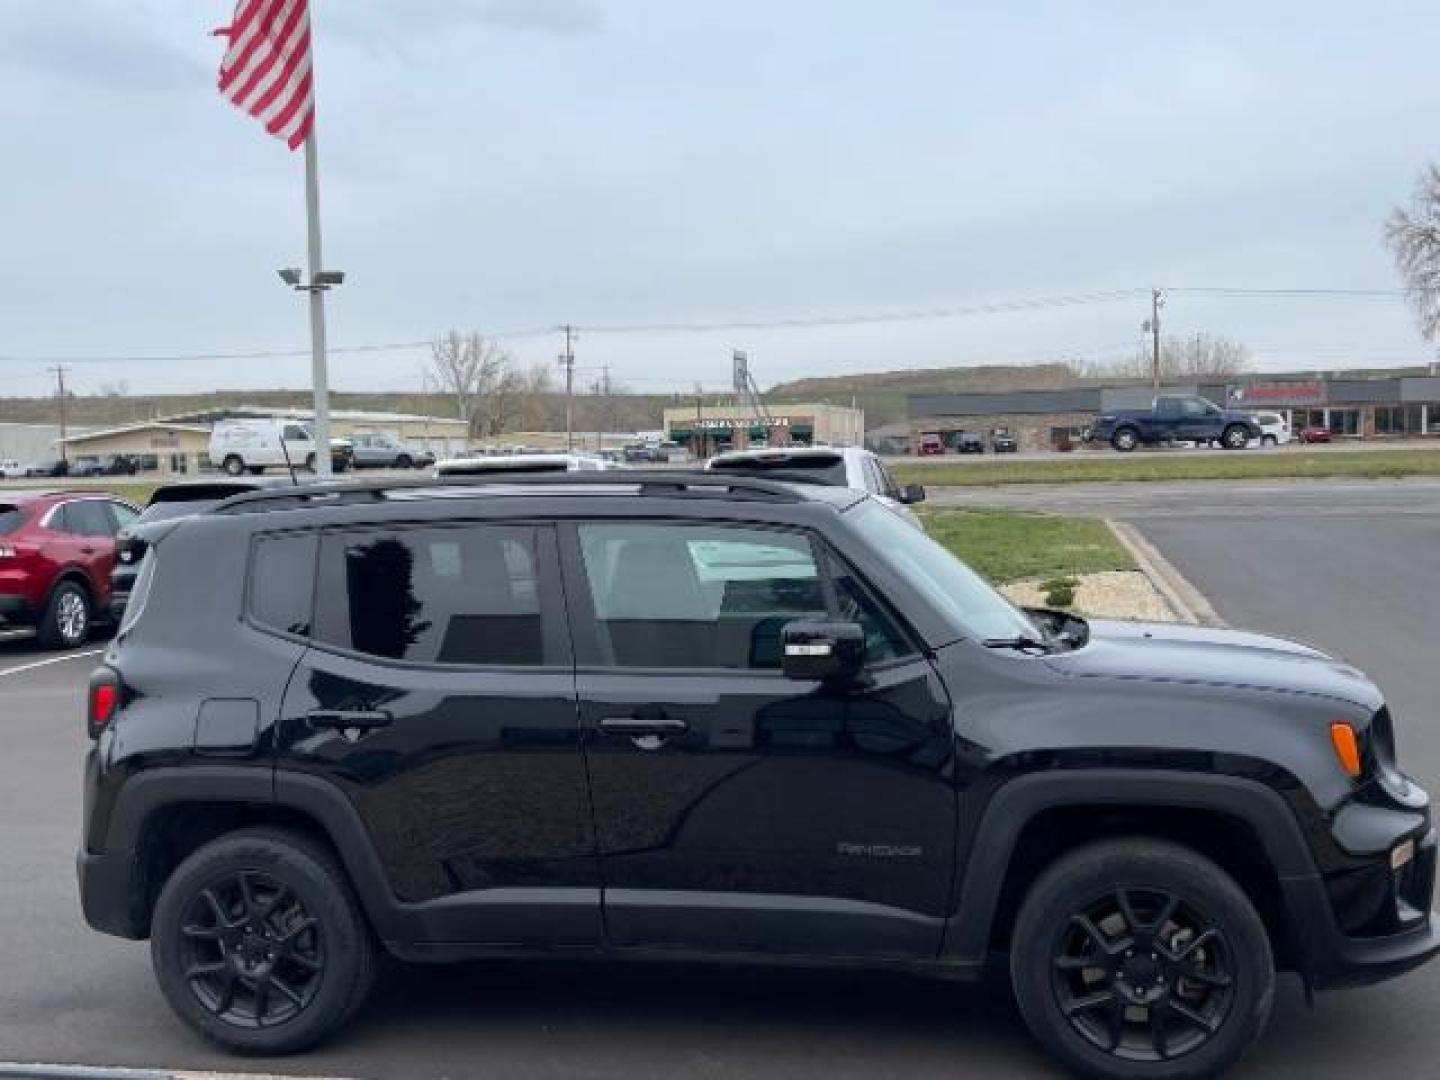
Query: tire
point(1125, 440)
point(1234, 437)
point(233, 465)
point(65, 623)
point(1212, 932)
point(290, 880)
point(404, 462)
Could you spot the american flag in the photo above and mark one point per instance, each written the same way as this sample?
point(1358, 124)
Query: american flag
point(266, 70)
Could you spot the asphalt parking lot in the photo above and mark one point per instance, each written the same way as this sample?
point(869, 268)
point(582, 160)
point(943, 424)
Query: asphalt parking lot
point(1362, 584)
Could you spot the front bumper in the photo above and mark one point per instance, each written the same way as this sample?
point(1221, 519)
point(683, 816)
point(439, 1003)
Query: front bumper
point(1331, 958)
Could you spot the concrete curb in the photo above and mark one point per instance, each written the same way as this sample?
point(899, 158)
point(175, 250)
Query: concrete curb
point(1185, 599)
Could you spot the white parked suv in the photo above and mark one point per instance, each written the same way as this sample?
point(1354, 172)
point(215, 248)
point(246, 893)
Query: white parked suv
point(256, 445)
point(1274, 429)
point(840, 466)
point(10, 469)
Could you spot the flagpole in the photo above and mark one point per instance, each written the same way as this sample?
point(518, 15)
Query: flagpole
point(319, 374)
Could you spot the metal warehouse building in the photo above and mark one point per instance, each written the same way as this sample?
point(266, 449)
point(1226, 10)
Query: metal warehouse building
point(181, 443)
point(1372, 408)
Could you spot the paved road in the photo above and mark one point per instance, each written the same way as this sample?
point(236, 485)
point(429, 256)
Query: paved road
point(1364, 586)
point(1210, 499)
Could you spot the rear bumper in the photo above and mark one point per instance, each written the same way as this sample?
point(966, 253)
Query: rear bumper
point(109, 894)
point(16, 611)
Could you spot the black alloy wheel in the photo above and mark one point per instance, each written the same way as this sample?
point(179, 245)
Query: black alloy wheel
point(1142, 975)
point(259, 943)
point(253, 954)
point(1140, 959)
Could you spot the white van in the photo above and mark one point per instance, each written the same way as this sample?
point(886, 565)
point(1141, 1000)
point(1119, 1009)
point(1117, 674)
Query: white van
point(256, 445)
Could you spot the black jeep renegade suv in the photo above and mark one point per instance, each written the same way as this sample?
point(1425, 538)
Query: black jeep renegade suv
point(683, 715)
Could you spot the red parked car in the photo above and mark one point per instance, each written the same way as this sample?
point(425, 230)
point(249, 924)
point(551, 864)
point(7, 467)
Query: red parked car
point(930, 445)
point(56, 552)
point(1314, 433)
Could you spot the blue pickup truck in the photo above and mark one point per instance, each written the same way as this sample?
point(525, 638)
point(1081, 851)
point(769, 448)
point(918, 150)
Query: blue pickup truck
point(1175, 418)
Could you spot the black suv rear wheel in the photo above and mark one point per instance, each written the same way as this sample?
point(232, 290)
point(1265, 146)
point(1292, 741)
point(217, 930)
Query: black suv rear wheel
point(1142, 960)
point(259, 944)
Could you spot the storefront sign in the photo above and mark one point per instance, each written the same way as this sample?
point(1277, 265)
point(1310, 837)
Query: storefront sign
point(730, 423)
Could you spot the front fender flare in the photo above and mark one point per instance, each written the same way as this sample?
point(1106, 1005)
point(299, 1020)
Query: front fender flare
point(968, 931)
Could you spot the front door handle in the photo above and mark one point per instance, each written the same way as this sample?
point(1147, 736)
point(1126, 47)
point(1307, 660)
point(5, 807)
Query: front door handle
point(345, 719)
point(639, 726)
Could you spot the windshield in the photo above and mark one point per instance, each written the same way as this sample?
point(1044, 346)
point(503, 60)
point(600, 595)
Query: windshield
point(975, 608)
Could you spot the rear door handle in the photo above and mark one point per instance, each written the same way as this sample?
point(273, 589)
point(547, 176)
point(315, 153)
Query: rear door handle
point(642, 725)
point(343, 719)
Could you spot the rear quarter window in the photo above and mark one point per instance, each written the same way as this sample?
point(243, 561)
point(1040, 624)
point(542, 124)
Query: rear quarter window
point(11, 518)
point(282, 582)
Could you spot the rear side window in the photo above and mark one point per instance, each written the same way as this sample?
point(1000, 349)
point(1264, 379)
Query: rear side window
point(466, 595)
point(282, 582)
point(11, 518)
point(88, 518)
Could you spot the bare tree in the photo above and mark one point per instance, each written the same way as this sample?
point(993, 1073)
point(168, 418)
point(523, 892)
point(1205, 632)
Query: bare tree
point(1413, 235)
point(468, 367)
point(1202, 356)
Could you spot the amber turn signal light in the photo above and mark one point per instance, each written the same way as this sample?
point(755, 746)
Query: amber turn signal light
point(1347, 747)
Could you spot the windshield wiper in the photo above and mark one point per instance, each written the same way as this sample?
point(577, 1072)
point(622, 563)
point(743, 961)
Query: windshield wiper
point(1020, 643)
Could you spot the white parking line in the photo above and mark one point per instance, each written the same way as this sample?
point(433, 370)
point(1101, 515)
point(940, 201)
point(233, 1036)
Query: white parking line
point(100, 1072)
point(46, 663)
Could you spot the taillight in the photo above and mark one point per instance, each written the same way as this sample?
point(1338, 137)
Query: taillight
point(104, 700)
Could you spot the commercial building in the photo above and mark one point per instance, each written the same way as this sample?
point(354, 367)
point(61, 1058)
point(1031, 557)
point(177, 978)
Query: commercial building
point(1370, 408)
point(180, 444)
point(711, 429)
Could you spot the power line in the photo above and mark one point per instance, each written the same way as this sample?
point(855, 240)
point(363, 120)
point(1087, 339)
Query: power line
point(1041, 303)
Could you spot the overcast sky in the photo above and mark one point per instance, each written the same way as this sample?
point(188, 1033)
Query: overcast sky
point(507, 165)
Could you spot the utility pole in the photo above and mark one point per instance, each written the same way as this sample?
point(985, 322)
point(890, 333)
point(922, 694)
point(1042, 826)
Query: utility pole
point(602, 391)
point(1157, 301)
point(59, 370)
point(567, 361)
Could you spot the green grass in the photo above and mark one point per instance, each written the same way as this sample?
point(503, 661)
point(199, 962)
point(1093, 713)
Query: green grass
point(1176, 465)
point(1005, 545)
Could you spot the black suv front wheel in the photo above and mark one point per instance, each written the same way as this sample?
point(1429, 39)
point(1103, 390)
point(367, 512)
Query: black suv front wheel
point(259, 944)
point(1142, 960)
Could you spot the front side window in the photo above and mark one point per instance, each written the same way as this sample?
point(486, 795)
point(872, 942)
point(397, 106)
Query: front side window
point(1195, 407)
point(295, 433)
point(697, 596)
point(463, 594)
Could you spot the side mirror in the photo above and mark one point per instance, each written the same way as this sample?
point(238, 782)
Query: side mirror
point(913, 493)
point(824, 651)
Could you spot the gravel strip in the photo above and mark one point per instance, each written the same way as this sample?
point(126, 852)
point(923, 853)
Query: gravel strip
point(1114, 594)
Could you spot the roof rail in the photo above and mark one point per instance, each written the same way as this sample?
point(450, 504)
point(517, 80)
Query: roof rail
point(661, 483)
